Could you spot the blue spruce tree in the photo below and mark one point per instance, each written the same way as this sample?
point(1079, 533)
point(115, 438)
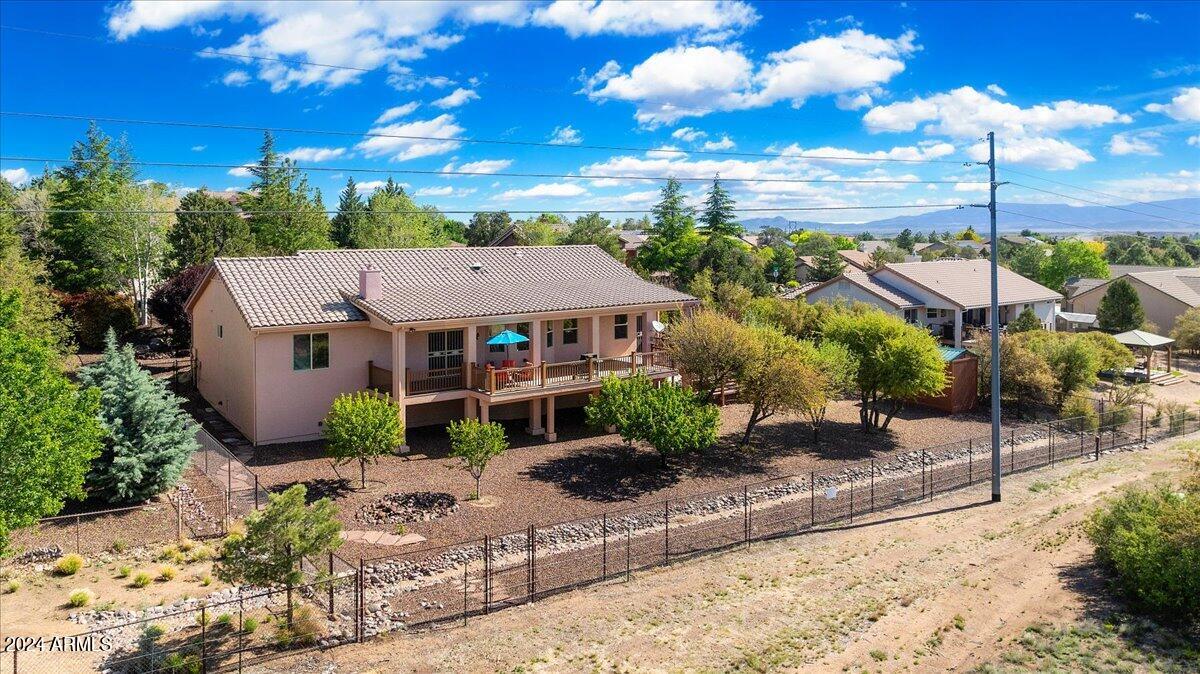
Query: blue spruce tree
point(149, 438)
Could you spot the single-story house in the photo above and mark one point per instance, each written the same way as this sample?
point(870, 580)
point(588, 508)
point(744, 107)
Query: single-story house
point(1165, 294)
point(1078, 284)
point(869, 247)
point(631, 241)
point(945, 295)
point(853, 259)
point(276, 339)
point(962, 383)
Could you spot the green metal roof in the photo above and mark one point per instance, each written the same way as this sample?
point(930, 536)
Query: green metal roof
point(950, 353)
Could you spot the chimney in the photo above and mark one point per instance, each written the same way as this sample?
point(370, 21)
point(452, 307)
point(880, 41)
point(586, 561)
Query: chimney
point(370, 285)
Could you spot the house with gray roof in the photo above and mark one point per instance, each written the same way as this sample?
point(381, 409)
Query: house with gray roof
point(947, 297)
point(276, 339)
point(1165, 293)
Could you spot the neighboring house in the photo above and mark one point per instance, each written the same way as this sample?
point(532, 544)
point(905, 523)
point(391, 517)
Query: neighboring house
point(1071, 321)
point(946, 295)
point(869, 247)
point(506, 237)
point(1078, 284)
point(631, 241)
point(798, 292)
point(941, 246)
point(1165, 294)
point(276, 339)
point(854, 259)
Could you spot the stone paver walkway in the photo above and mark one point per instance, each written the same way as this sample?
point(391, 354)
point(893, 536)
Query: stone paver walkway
point(381, 538)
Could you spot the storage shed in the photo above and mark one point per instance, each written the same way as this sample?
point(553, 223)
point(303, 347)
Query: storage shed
point(962, 387)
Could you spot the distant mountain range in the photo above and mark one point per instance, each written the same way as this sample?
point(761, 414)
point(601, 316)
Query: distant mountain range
point(1078, 218)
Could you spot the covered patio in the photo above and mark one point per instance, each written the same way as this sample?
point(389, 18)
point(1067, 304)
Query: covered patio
point(1148, 344)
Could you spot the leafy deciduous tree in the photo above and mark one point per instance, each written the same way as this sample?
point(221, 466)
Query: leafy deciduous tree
point(1072, 258)
point(476, 444)
point(597, 231)
point(207, 226)
point(708, 350)
point(485, 227)
point(167, 303)
point(362, 427)
point(776, 378)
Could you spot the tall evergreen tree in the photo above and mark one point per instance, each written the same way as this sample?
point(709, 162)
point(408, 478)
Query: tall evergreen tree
point(393, 220)
point(673, 219)
point(207, 226)
point(77, 226)
point(673, 244)
point(350, 213)
point(827, 264)
point(149, 438)
point(718, 217)
point(25, 278)
point(1120, 309)
point(284, 215)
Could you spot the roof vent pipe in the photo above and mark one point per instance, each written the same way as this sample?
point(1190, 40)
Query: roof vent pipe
point(370, 284)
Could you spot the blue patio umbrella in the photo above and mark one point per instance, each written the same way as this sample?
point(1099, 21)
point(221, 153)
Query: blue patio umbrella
point(507, 337)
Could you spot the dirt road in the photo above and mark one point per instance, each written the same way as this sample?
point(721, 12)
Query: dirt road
point(947, 585)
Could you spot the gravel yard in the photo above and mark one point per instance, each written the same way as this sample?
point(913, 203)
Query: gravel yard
point(585, 473)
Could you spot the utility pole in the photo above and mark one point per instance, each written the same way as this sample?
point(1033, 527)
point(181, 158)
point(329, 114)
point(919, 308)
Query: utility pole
point(994, 323)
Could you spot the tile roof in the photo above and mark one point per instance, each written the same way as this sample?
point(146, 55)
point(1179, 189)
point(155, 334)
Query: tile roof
point(857, 258)
point(967, 282)
point(421, 284)
point(1183, 283)
point(868, 282)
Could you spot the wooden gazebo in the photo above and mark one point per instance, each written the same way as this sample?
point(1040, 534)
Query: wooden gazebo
point(1148, 343)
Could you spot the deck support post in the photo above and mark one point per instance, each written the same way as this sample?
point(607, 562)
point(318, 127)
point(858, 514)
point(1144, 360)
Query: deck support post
point(551, 436)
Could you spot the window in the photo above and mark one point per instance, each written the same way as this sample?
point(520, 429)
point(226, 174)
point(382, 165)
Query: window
point(496, 348)
point(549, 333)
point(220, 332)
point(931, 313)
point(641, 326)
point(523, 329)
point(621, 326)
point(570, 331)
point(310, 351)
point(910, 315)
point(445, 349)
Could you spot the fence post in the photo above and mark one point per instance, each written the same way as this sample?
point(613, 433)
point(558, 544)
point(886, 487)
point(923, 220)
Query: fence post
point(628, 541)
point(1097, 446)
point(851, 498)
point(667, 531)
point(812, 499)
point(78, 526)
point(746, 514)
point(227, 507)
point(1012, 451)
point(203, 638)
point(923, 494)
point(359, 601)
point(872, 486)
point(241, 630)
point(487, 574)
point(532, 562)
point(604, 558)
point(1142, 425)
point(465, 603)
point(330, 584)
point(970, 462)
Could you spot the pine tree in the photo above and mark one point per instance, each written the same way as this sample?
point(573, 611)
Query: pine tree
point(1120, 309)
point(149, 438)
point(99, 171)
point(672, 218)
point(350, 212)
point(284, 215)
point(673, 244)
point(718, 217)
point(827, 264)
point(207, 226)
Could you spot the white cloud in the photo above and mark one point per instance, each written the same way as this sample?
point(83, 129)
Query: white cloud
point(724, 144)
point(708, 20)
point(543, 190)
point(1134, 143)
point(1194, 141)
point(1153, 186)
point(441, 129)
point(242, 171)
point(17, 176)
point(397, 112)
point(314, 154)
point(1143, 17)
point(1173, 71)
point(445, 191)
point(665, 152)
point(1038, 151)
point(967, 113)
point(487, 166)
point(456, 98)
point(687, 134)
point(692, 81)
point(996, 89)
point(199, 148)
point(565, 135)
point(236, 78)
point(1185, 107)
point(853, 101)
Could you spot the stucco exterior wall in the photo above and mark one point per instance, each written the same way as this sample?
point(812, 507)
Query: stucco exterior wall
point(845, 290)
point(900, 283)
point(225, 363)
point(290, 404)
point(1161, 309)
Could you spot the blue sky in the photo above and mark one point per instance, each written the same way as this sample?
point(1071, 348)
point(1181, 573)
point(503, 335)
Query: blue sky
point(1103, 95)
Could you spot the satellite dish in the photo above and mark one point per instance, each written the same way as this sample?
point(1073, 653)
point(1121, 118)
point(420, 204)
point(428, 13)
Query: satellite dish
point(658, 327)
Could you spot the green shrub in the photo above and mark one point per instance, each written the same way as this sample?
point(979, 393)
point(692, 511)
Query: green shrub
point(80, 598)
point(201, 553)
point(166, 572)
point(1079, 414)
point(182, 663)
point(118, 546)
point(225, 620)
point(153, 631)
point(93, 313)
point(141, 579)
point(68, 565)
point(304, 630)
point(249, 625)
point(12, 586)
point(124, 570)
point(1150, 539)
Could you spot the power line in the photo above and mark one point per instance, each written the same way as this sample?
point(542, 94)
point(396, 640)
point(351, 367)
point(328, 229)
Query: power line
point(1107, 194)
point(773, 209)
point(485, 141)
point(156, 45)
point(1098, 203)
point(443, 172)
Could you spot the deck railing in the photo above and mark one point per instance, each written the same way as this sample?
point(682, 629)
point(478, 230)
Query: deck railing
point(524, 377)
point(432, 381)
